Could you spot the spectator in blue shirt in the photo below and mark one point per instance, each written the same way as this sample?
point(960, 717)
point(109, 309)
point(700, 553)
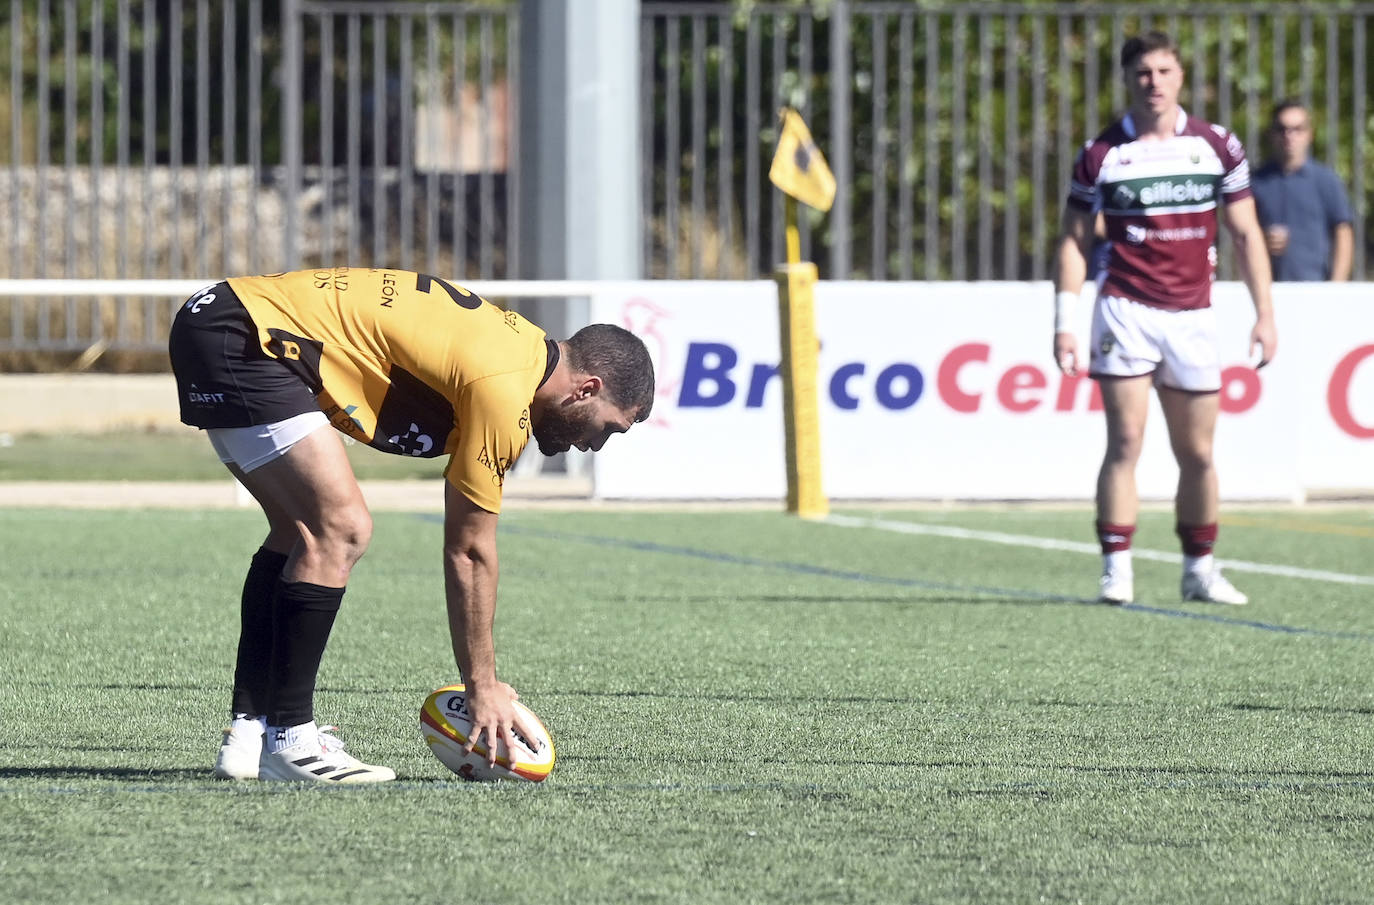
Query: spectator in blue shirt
point(1302, 205)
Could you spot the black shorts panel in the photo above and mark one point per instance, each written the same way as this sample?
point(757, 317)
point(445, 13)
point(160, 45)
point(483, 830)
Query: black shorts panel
point(224, 379)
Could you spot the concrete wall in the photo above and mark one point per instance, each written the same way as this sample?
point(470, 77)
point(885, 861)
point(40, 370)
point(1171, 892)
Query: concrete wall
point(39, 403)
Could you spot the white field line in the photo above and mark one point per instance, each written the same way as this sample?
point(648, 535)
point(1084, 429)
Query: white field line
point(1068, 546)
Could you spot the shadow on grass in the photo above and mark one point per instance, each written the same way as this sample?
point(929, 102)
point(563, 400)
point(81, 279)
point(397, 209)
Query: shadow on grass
point(1246, 706)
point(106, 686)
point(1242, 706)
point(1221, 777)
point(125, 774)
point(810, 701)
point(1229, 773)
point(1017, 599)
point(409, 691)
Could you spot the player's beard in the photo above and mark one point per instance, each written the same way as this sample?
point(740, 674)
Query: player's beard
point(560, 428)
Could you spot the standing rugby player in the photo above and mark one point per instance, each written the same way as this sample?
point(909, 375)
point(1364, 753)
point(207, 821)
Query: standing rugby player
point(1159, 176)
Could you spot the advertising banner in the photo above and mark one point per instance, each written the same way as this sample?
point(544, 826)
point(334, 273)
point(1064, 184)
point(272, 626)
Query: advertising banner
point(940, 391)
point(1332, 330)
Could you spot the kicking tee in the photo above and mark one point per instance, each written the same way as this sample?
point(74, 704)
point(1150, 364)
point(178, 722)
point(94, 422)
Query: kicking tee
point(408, 364)
point(1160, 202)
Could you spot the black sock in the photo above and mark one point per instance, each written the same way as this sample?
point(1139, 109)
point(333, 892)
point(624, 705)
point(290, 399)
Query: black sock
point(255, 632)
point(301, 624)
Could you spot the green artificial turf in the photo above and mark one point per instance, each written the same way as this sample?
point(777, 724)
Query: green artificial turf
point(161, 455)
point(746, 708)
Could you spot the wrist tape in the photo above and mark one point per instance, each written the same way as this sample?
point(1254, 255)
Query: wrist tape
point(1065, 307)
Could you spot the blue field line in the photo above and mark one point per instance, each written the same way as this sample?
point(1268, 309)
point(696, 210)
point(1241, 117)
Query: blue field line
point(1248, 623)
point(794, 567)
point(847, 575)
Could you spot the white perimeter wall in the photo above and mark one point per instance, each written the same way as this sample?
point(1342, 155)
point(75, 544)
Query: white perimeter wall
point(52, 403)
point(948, 391)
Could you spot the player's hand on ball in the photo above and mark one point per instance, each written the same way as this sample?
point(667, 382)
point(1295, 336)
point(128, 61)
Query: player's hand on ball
point(446, 725)
point(1066, 353)
point(494, 717)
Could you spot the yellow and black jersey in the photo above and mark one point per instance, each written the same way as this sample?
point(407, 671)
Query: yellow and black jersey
point(408, 364)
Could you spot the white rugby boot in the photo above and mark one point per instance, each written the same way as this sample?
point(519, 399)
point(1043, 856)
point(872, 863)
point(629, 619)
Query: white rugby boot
point(1116, 586)
point(316, 755)
point(1210, 587)
point(240, 750)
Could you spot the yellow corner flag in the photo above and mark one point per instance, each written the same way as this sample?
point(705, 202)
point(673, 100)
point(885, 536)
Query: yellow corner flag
point(799, 168)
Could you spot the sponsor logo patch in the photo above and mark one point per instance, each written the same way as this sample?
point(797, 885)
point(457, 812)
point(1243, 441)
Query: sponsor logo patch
point(1167, 191)
point(413, 442)
point(195, 395)
point(1123, 196)
point(495, 464)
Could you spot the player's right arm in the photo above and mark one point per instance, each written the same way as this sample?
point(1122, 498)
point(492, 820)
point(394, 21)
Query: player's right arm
point(470, 576)
point(1075, 244)
point(493, 424)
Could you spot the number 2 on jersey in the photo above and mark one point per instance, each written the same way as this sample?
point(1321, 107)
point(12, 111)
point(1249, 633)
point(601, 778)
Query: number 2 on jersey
point(471, 302)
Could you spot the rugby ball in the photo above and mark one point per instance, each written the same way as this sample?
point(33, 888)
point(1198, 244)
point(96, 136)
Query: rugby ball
point(446, 726)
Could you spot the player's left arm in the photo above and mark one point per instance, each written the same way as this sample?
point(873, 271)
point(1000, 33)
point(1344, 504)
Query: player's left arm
point(471, 570)
point(1242, 222)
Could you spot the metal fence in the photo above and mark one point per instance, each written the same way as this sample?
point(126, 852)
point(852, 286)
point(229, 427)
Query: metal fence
point(165, 139)
point(952, 129)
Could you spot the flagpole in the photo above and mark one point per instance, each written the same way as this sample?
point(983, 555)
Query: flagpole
point(789, 213)
point(799, 170)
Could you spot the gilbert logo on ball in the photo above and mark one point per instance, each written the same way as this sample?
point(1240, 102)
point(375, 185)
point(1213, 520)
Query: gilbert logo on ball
point(446, 726)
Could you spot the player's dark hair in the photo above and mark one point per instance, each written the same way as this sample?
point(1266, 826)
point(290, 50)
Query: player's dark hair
point(1139, 45)
point(622, 362)
point(1283, 106)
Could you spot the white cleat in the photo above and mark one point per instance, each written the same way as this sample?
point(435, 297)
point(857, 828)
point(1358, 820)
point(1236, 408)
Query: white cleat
point(239, 752)
point(321, 759)
point(1115, 587)
point(1211, 588)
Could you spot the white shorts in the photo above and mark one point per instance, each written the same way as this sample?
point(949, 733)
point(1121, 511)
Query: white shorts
point(1131, 339)
point(252, 447)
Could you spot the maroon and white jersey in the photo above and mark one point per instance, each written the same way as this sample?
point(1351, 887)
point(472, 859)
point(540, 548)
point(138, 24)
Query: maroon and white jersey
point(1160, 201)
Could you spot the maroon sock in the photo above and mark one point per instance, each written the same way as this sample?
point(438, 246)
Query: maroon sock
point(1114, 538)
point(1198, 540)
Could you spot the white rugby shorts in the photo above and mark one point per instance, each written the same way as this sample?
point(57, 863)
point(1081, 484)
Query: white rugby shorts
point(1132, 339)
point(253, 447)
